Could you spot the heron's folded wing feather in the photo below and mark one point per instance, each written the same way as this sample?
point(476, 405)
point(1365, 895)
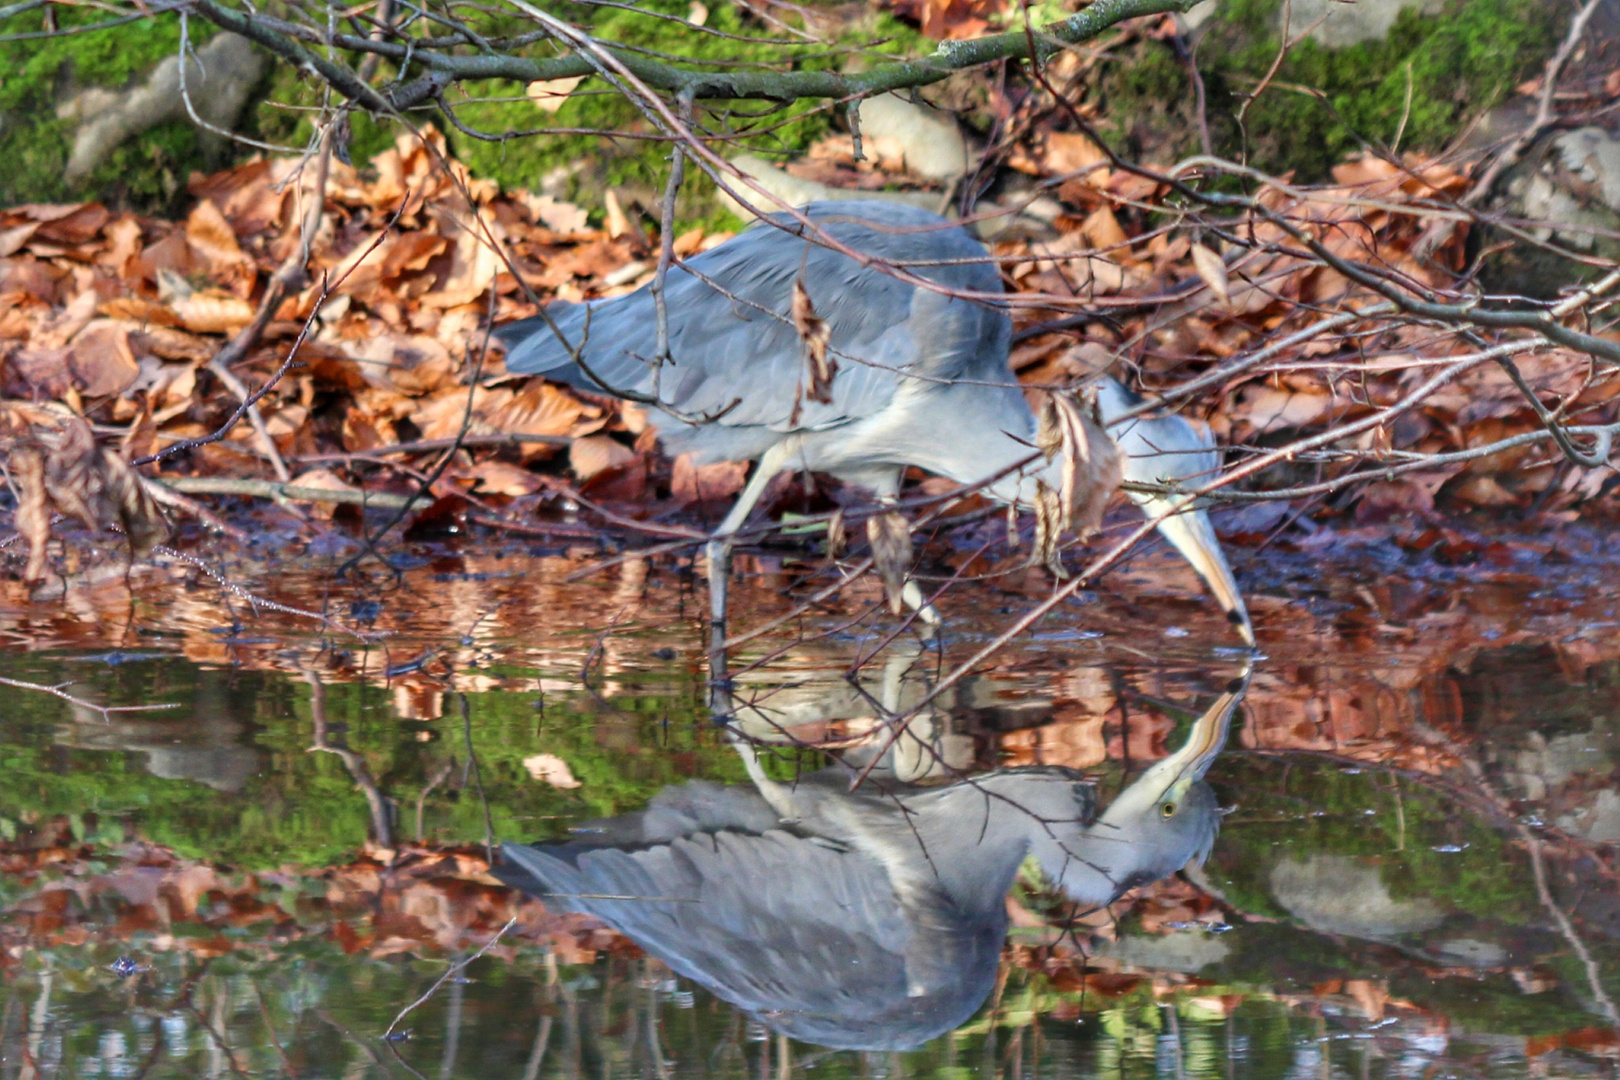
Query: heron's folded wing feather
point(770, 922)
point(734, 351)
point(681, 810)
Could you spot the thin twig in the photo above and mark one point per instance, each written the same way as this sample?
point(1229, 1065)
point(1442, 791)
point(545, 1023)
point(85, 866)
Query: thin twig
point(453, 969)
point(59, 691)
point(271, 489)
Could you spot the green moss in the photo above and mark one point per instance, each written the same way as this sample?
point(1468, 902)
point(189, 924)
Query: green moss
point(40, 72)
point(301, 807)
point(149, 171)
point(636, 166)
point(1323, 104)
point(1455, 65)
point(1410, 835)
point(1452, 65)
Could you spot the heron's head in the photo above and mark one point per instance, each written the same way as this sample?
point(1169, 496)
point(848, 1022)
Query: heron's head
point(1167, 818)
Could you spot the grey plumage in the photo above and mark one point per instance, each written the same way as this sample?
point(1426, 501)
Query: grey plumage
point(874, 919)
point(737, 363)
point(924, 378)
point(1169, 449)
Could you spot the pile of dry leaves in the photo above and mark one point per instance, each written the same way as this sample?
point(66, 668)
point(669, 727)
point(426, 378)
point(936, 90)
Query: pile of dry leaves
point(338, 353)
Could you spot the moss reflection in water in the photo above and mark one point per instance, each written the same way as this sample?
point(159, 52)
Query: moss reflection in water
point(229, 776)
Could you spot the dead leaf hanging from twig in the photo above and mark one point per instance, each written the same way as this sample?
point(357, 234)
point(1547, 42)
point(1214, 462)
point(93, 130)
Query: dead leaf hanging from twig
point(27, 469)
point(70, 474)
point(1213, 271)
point(1049, 524)
point(1092, 466)
point(836, 539)
point(816, 333)
point(890, 536)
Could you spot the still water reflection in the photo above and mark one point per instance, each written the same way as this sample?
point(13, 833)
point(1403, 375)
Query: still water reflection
point(1413, 873)
point(872, 919)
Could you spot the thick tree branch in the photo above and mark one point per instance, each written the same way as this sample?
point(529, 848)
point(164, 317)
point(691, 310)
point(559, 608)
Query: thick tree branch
point(284, 39)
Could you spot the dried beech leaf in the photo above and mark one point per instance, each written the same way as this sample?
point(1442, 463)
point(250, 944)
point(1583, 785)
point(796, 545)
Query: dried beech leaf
point(102, 360)
point(501, 478)
point(1015, 537)
point(1213, 271)
point(549, 95)
point(837, 537)
point(816, 333)
point(614, 220)
point(66, 472)
point(563, 218)
point(1049, 522)
point(1092, 465)
point(1103, 231)
point(212, 311)
point(689, 483)
point(550, 769)
point(322, 480)
point(211, 236)
point(890, 537)
point(132, 504)
point(1070, 152)
point(142, 436)
point(597, 453)
point(1048, 428)
point(33, 518)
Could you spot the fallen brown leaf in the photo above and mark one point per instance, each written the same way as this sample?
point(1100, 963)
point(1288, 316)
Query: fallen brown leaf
point(65, 471)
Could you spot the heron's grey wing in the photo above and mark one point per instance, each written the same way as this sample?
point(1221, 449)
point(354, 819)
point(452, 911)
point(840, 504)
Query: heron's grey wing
point(805, 933)
point(682, 810)
point(734, 350)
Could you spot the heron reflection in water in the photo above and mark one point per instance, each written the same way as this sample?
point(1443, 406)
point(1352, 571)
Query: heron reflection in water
point(874, 919)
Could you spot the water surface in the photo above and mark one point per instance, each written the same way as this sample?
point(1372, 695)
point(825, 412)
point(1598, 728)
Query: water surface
point(1415, 876)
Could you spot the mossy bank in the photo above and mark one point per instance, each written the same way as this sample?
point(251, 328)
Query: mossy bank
point(1435, 69)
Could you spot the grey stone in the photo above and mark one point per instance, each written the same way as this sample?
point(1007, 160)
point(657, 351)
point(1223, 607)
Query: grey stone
point(1337, 23)
point(1598, 821)
point(930, 140)
point(1335, 894)
point(218, 79)
point(174, 750)
point(796, 191)
point(1568, 188)
point(1473, 953)
point(1185, 952)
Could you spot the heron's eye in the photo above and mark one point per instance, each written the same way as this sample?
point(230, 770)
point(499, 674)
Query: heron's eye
point(1168, 809)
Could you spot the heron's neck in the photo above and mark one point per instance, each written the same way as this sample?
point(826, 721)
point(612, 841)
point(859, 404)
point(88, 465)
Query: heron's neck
point(976, 834)
point(990, 432)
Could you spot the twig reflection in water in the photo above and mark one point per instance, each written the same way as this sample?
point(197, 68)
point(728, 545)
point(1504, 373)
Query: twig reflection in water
point(874, 919)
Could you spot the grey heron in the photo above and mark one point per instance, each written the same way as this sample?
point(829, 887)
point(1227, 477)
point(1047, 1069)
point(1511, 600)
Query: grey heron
point(868, 919)
point(1167, 449)
point(925, 378)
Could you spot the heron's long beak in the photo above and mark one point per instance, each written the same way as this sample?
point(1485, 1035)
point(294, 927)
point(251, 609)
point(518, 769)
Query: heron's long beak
point(1204, 742)
point(1193, 535)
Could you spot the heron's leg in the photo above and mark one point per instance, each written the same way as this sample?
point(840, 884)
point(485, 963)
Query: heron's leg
point(719, 550)
point(910, 592)
point(778, 796)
